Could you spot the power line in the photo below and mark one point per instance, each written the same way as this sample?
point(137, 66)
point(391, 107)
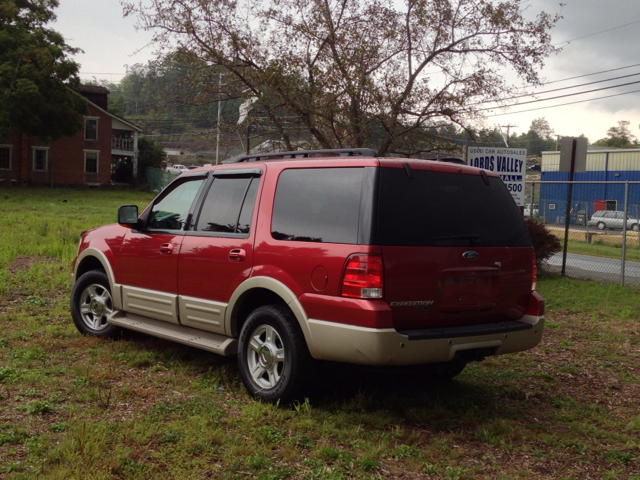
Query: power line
point(556, 89)
point(564, 104)
point(596, 33)
point(562, 96)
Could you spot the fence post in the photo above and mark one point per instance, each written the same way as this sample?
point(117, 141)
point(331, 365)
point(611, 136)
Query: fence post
point(624, 231)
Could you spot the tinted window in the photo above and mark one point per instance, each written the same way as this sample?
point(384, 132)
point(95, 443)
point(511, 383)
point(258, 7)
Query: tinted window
point(229, 205)
point(172, 210)
point(436, 208)
point(609, 215)
point(318, 205)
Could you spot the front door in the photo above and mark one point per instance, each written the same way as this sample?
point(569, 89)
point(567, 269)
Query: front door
point(147, 266)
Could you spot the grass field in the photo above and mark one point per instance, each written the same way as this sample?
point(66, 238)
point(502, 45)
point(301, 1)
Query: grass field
point(138, 408)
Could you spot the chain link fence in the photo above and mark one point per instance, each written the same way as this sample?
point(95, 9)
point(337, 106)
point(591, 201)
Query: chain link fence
point(603, 236)
point(158, 179)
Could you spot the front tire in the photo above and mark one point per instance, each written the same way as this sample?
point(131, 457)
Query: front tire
point(272, 354)
point(91, 304)
point(635, 227)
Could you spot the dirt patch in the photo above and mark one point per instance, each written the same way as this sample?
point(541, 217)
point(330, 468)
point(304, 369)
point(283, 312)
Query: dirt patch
point(23, 263)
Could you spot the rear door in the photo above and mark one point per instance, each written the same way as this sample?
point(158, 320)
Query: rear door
point(456, 250)
point(217, 254)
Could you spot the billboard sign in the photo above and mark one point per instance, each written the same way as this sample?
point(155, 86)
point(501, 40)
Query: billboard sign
point(509, 163)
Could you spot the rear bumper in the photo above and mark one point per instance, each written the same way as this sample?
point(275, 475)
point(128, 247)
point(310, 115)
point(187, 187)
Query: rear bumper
point(386, 346)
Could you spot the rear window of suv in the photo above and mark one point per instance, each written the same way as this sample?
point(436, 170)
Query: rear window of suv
point(447, 209)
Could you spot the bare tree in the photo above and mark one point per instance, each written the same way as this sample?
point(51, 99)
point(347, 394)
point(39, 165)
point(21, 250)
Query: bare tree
point(358, 73)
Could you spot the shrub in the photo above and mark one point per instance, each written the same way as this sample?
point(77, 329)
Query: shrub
point(544, 242)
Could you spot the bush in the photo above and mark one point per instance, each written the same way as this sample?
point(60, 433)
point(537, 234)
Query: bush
point(545, 243)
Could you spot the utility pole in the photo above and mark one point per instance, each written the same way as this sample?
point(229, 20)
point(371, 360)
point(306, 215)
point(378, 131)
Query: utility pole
point(218, 123)
point(508, 127)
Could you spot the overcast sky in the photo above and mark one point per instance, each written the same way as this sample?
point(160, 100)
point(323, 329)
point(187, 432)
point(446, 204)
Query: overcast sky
point(110, 42)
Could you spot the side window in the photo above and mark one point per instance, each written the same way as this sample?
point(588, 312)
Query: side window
point(620, 215)
point(5, 157)
point(609, 215)
point(318, 205)
point(172, 210)
point(229, 205)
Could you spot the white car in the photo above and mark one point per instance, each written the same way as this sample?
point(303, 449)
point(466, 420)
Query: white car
point(612, 219)
point(527, 210)
point(177, 169)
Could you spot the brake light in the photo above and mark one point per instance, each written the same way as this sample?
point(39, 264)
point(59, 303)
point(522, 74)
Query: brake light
point(534, 273)
point(363, 277)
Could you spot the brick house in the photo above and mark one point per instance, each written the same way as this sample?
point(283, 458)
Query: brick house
point(83, 159)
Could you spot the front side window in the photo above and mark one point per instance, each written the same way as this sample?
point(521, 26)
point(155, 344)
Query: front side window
point(40, 156)
point(318, 205)
point(228, 207)
point(5, 157)
point(90, 128)
point(170, 212)
point(91, 162)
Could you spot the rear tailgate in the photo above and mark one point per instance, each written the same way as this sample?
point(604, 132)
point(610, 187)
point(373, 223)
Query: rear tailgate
point(455, 248)
point(437, 286)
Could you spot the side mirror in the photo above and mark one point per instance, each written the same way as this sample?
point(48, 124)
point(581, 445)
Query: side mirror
point(128, 215)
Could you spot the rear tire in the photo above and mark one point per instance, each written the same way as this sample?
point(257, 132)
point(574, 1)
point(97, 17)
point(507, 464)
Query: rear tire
point(272, 354)
point(91, 304)
point(601, 226)
point(635, 227)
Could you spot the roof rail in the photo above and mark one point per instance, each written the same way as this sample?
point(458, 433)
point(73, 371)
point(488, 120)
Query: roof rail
point(459, 161)
point(338, 152)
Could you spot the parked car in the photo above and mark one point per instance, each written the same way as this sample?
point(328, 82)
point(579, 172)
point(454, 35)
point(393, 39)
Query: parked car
point(177, 169)
point(280, 259)
point(604, 219)
point(527, 210)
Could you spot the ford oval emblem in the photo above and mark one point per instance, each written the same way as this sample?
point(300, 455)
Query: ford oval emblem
point(471, 255)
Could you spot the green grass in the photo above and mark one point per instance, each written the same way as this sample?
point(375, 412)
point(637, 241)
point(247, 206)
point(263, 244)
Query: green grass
point(603, 250)
point(74, 407)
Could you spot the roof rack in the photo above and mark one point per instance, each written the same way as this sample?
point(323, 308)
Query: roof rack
point(338, 152)
point(459, 161)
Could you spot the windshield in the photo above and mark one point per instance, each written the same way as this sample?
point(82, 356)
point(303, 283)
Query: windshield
point(447, 209)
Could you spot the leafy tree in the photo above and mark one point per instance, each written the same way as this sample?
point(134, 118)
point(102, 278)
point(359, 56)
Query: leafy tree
point(35, 72)
point(538, 139)
point(348, 69)
point(150, 155)
point(618, 137)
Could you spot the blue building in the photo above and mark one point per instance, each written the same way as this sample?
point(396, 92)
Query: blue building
point(607, 165)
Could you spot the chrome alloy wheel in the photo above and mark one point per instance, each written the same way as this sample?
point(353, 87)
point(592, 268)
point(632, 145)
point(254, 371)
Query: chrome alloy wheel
point(95, 305)
point(266, 356)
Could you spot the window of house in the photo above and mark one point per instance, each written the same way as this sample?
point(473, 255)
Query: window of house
point(40, 157)
point(91, 162)
point(90, 128)
point(5, 157)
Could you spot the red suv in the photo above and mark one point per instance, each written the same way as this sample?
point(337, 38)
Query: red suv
point(331, 255)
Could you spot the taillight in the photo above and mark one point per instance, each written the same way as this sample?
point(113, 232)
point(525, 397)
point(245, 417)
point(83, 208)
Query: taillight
point(363, 277)
point(534, 273)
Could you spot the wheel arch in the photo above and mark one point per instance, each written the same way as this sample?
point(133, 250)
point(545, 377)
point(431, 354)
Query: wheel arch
point(94, 259)
point(258, 291)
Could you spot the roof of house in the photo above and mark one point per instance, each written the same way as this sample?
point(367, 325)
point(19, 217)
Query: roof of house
point(92, 89)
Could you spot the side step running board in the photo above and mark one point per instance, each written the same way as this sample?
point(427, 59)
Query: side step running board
point(211, 342)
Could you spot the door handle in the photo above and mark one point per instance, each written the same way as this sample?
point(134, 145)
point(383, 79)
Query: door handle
point(237, 255)
point(166, 248)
